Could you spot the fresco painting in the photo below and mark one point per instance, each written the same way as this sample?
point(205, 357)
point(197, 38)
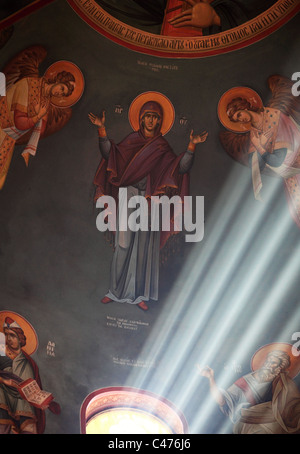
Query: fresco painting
point(34, 106)
point(268, 136)
point(127, 105)
point(23, 402)
point(146, 166)
point(251, 401)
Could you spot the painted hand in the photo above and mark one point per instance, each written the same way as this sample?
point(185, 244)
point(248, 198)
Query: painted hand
point(200, 15)
point(41, 108)
point(260, 140)
point(206, 372)
point(44, 107)
point(98, 121)
point(198, 138)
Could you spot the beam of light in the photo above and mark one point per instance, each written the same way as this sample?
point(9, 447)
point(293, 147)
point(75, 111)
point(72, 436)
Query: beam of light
point(181, 298)
point(257, 324)
point(221, 233)
point(220, 283)
point(242, 295)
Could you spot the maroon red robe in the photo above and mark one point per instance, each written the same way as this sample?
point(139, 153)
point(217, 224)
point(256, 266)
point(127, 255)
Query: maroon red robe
point(137, 157)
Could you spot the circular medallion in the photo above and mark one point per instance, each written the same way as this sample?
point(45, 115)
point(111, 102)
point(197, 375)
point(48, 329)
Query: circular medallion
point(14, 319)
point(237, 92)
point(162, 100)
point(60, 66)
point(260, 356)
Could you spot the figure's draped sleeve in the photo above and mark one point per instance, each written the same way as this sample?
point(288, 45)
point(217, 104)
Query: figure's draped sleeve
point(136, 159)
point(185, 164)
point(17, 98)
point(22, 121)
point(279, 416)
point(20, 104)
point(27, 94)
point(18, 119)
point(288, 137)
point(244, 393)
point(286, 151)
point(281, 157)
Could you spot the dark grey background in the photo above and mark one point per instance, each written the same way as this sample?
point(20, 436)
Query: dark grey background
point(54, 264)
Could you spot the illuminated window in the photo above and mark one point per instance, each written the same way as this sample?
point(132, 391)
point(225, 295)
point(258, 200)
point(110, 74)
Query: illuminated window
point(120, 410)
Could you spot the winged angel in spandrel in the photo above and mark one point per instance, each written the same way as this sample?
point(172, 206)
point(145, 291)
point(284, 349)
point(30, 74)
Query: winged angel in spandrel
point(35, 106)
point(265, 137)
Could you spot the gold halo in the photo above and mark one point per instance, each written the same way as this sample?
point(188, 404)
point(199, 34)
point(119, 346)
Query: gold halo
point(30, 333)
point(260, 355)
point(237, 92)
point(63, 65)
point(166, 105)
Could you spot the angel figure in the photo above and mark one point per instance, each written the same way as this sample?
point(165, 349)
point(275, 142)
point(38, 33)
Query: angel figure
point(35, 107)
point(265, 137)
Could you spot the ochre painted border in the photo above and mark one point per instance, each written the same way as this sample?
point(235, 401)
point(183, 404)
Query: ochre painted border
point(185, 47)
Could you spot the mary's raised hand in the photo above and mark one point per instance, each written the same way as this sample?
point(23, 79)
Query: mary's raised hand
point(198, 138)
point(98, 121)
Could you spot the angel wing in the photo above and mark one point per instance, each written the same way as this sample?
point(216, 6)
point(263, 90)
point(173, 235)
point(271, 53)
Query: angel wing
point(25, 64)
point(236, 145)
point(282, 97)
point(57, 119)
